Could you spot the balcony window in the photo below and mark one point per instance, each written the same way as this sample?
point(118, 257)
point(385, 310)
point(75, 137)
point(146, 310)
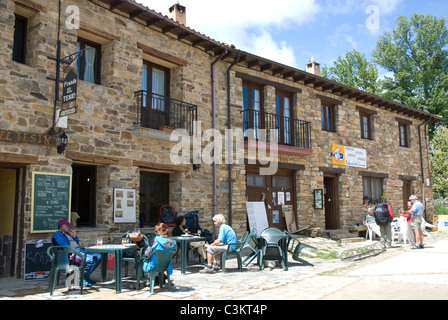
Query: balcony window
point(252, 102)
point(284, 119)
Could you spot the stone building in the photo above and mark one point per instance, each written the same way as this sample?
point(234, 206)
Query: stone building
point(141, 75)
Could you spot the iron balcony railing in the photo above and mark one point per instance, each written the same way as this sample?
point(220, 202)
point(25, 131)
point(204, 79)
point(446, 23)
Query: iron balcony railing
point(159, 112)
point(291, 132)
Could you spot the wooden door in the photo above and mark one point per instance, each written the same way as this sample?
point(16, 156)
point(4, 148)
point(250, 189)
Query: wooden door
point(331, 199)
point(270, 189)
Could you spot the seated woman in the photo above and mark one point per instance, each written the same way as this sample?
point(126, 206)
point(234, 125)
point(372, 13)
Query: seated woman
point(161, 243)
point(180, 230)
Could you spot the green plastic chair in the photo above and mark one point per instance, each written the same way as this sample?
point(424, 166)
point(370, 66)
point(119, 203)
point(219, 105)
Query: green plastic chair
point(239, 247)
point(295, 247)
point(163, 261)
point(255, 251)
point(272, 249)
point(60, 262)
point(137, 257)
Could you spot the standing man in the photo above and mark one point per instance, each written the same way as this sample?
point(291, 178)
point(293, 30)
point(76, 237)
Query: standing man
point(416, 213)
point(225, 237)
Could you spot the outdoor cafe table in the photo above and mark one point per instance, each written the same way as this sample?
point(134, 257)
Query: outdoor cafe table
point(184, 242)
point(261, 243)
point(104, 250)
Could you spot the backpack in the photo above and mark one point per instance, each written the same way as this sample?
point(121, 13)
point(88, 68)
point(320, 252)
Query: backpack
point(167, 216)
point(381, 214)
point(191, 221)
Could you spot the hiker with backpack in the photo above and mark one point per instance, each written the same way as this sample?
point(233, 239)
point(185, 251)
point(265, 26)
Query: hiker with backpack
point(384, 217)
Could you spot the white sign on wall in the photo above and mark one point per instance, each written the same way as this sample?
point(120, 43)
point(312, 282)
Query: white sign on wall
point(125, 206)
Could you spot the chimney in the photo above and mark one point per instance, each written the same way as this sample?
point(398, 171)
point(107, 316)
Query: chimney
point(178, 13)
point(313, 67)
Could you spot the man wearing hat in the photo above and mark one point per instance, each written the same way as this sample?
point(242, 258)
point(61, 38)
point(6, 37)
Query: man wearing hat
point(416, 213)
point(65, 236)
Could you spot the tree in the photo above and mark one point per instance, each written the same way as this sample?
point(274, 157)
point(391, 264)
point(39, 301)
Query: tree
point(415, 52)
point(439, 162)
point(355, 71)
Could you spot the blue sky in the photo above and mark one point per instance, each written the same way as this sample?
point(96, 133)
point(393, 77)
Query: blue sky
point(292, 31)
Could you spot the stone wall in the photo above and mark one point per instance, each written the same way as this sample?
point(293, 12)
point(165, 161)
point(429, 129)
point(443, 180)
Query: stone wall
point(104, 127)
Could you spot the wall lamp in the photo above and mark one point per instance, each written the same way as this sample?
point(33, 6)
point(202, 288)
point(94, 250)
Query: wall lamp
point(197, 163)
point(63, 141)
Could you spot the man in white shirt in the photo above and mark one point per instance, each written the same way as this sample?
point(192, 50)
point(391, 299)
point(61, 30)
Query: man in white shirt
point(416, 213)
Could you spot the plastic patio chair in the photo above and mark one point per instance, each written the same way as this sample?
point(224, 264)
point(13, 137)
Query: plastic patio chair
point(239, 247)
point(137, 257)
point(255, 251)
point(60, 262)
point(163, 261)
point(272, 250)
point(295, 247)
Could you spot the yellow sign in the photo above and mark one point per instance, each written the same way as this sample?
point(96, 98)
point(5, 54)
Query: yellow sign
point(441, 223)
point(338, 155)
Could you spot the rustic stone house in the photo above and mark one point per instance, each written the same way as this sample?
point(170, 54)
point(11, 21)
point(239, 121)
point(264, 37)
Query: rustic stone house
point(141, 75)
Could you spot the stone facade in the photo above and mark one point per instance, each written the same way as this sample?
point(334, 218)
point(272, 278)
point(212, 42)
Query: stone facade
point(105, 132)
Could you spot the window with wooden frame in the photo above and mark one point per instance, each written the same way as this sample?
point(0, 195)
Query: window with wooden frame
point(252, 107)
point(328, 116)
point(20, 38)
point(88, 64)
point(403, 129)
point(284, 116)
point(365, 123)
point(373, 188)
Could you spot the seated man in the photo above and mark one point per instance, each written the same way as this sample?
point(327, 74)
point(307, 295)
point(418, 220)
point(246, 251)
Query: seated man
point(370, 222)
point(65, 236)
point(225, 237)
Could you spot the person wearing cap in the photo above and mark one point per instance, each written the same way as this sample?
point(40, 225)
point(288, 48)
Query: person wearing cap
point(416, 213)
point(66, 236)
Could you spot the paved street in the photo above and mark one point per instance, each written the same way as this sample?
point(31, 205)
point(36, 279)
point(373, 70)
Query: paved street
point(398, 274)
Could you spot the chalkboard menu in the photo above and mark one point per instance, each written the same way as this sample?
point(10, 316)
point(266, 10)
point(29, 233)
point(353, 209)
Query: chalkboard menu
point(51, 200)
point(37, 262)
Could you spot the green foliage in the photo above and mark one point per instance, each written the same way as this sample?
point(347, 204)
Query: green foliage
point(439, 162)
point(355, 71)
point(416, 54)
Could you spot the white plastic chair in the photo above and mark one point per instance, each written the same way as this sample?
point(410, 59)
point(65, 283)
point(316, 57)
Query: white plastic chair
point(426, 225)
point(396, 230)
point(402, 221)
point(372, 234)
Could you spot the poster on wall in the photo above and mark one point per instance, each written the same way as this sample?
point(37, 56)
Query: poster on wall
point(349, 156)
point(125, 206)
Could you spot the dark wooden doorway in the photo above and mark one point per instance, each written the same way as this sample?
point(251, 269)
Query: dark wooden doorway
point(267, 188)
point(331, 199)
point(154, 193)
point(406, 193)
point(84, 194)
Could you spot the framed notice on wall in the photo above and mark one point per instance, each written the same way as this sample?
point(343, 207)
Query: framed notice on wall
point(125, 206)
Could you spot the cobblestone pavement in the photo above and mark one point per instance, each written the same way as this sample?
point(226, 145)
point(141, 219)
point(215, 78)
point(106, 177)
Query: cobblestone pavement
point(232, 285)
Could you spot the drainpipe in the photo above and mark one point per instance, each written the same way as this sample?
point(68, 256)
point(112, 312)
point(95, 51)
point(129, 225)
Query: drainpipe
point(421, 158)
point(214, 127)
point(229, 143)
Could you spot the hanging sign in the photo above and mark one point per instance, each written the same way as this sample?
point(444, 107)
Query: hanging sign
point(70, 87)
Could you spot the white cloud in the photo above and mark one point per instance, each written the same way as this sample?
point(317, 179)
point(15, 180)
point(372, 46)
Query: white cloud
point(248, 24)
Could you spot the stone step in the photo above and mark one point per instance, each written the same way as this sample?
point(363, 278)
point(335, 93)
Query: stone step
point(340, 234)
